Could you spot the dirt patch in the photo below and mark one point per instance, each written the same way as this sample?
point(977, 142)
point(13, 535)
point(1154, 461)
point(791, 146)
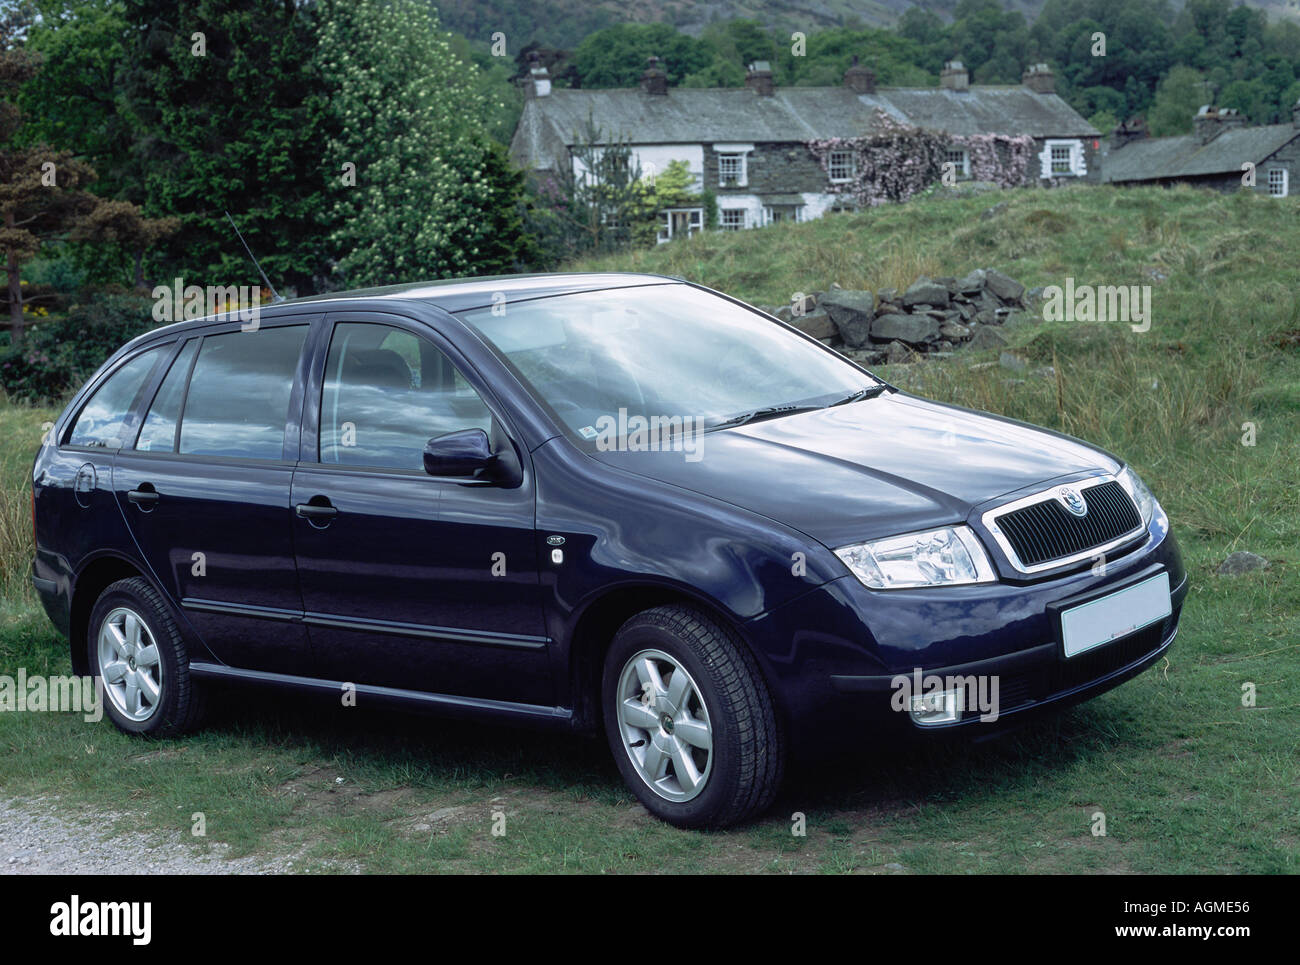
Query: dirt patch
point(323, 791)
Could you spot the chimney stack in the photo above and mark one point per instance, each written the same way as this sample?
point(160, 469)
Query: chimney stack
point(1039, 78)
point(1134, 129)
point(954, 76)
point(1211, 121)
point(860, 80)
point(760, 80)
point(538, 81)
point(1295, 115)
point(654, 81)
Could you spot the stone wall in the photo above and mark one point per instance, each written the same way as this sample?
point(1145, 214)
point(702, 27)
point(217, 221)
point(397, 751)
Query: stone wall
point(933, 316)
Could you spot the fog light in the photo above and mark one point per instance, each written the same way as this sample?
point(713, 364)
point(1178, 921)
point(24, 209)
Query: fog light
point(938, 707)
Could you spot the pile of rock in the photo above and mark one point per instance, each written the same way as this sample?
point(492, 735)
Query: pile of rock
point(934, 316)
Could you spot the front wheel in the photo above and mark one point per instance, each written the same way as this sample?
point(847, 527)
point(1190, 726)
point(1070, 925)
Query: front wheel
point(689, 719)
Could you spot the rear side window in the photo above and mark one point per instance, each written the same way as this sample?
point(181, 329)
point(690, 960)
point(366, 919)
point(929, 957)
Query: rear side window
point(158, 434)
point(238, 398)
point(102, 421)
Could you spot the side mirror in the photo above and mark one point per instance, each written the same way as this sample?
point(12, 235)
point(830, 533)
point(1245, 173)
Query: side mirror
point(460, 453)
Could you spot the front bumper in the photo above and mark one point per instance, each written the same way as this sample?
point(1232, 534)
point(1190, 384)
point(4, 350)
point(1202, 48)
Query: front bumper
point(1040, 678)
point(834, 655)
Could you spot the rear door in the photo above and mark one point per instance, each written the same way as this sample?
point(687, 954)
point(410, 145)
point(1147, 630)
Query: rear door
point(205, 486)
point(411, 581)
point(77, 514)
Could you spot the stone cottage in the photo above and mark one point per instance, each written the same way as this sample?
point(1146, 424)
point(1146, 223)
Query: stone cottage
point(749, 145)
point(1219, 153)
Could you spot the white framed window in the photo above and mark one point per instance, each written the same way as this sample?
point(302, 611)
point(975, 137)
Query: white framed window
point(1277, 182)
point(841, 166)
point(1061, 158)
point(731, 170)
point(679, 223)
point(733, 164)
point(960, 160)
point(731, 219)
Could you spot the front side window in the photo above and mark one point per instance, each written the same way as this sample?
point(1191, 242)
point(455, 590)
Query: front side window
point(238, 399)
point(102, 422)
point(658, 351)
point(1277, 186)
point(386, 393)
point(732, 219)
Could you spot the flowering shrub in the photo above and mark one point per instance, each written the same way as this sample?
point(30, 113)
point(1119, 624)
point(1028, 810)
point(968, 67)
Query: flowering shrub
point(897, 160)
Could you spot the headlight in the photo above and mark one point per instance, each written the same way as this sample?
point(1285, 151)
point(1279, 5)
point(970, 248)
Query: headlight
point(940, 557)
point(1146, 503)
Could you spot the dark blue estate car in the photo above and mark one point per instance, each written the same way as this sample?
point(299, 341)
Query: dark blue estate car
point(616, 502)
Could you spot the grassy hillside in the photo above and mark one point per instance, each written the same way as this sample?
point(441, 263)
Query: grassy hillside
point(1188, 778)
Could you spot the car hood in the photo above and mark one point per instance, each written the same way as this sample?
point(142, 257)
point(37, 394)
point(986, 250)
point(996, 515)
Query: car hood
point(878, 467)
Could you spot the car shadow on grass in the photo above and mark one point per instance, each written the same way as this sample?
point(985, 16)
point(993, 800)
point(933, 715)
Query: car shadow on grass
point(390, 748)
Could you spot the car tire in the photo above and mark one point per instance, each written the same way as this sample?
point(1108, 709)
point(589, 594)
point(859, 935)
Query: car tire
point(689, 719)
point(137, 651)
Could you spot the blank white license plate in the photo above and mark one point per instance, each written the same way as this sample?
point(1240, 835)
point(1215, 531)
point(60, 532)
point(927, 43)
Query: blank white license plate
point(1086, 627)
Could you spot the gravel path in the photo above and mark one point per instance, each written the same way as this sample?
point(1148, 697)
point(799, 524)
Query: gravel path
point(37, 837)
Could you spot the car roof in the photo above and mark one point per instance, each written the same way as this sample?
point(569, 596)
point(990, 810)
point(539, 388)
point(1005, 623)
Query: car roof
point(449, 295)
point(459, 294)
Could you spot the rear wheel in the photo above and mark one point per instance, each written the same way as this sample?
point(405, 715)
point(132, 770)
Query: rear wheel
point(689, 719)
point(137, 651)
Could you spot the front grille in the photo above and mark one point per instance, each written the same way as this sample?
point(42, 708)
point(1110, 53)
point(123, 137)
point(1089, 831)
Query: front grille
point(1046, 530)
point(1106, 659)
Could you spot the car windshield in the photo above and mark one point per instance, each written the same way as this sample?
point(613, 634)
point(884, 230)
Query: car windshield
point(662, 351)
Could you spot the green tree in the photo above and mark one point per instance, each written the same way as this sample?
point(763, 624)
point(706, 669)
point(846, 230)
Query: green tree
point(1178, 98)
point(602, 192)
point(671, 188)
point(41, 189)
point(74, 102)
point(616, 56)
point(225, 104)
point(418, 191)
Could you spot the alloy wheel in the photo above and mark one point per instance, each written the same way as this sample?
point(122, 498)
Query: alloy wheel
point(664, 725)
point(130, 664)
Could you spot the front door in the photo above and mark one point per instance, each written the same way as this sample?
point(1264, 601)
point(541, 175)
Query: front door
point(411, 581)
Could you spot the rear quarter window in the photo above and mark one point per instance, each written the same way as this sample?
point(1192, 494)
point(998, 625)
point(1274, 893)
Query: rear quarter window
point(158, 433)
point(102, 422)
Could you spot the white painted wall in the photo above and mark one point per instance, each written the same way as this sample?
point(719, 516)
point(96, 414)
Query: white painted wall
point(817, 204)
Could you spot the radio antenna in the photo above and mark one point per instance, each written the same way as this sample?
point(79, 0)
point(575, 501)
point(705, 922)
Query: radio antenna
point(275, 295)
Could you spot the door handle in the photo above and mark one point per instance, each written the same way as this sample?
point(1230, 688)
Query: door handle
point(311, 511)
point(143, 497)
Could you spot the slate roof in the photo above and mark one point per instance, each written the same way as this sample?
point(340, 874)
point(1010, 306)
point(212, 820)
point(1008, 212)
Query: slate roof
point(1185, 156)
point(792, 114)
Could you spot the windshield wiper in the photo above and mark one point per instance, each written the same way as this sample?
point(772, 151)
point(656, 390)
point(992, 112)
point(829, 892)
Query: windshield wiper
point(870, 392)
point(758, 415)
point(776, 411)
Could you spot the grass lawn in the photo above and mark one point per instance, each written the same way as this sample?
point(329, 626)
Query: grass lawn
point(1189, 779)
